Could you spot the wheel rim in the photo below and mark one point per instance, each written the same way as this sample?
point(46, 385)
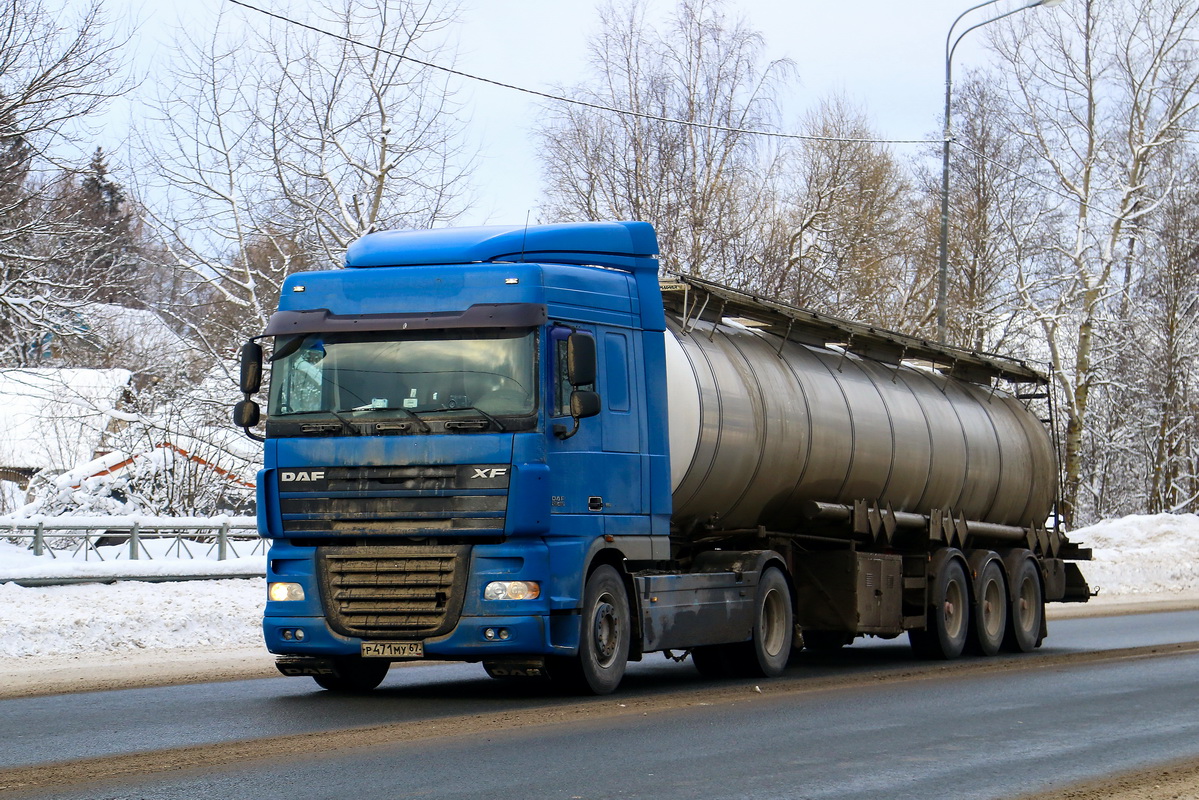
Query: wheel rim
point(992, 608)
point(952, 609)
point(606, 630)
point(773, 623)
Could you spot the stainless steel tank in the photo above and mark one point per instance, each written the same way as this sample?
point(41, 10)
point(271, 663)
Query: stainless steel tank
point(756, 431)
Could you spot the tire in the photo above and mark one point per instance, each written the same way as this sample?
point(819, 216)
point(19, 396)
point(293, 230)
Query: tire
point(603, 637)
point(766, 654)
point(1027, 611)
point(988, 622)
point(948, 626)
point(354, 675)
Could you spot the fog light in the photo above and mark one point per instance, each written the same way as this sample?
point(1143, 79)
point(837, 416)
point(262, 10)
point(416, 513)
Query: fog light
point(280, 592)
point(299, 634)
point(286, 634)
point(512, 590)
point(504, 633)
point(489, 634)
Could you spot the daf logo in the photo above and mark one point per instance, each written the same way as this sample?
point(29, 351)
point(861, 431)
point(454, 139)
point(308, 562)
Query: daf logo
point(286, 477)
point(495, 472)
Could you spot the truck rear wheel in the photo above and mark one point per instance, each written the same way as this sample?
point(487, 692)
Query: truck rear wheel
point(1027, 609)
point(603, 640)
point(354, 674)
point(765, 656)
point(989, 620)
point(948, 623)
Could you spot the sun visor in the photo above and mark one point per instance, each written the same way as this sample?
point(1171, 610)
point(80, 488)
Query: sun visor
point(480, 315)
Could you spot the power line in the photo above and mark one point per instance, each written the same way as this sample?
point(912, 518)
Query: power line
point(570, 100)
point(657, 118)
point(1017, 174)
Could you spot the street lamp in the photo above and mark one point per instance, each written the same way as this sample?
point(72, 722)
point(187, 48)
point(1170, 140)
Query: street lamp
point(951, 44)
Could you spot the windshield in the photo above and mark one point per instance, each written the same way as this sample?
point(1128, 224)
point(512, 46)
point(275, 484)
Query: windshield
point(404, 375)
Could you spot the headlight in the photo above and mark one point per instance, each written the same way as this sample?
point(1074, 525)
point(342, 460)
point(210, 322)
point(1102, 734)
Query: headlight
point(285, 591)
point(512, 590)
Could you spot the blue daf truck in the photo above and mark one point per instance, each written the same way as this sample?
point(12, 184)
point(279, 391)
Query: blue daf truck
point(524, 447)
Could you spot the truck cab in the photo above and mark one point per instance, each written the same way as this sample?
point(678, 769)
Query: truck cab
point(457, 433)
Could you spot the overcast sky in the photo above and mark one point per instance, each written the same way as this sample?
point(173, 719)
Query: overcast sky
point(887, 56)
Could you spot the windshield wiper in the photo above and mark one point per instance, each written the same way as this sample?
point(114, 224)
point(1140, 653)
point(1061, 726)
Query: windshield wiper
point(409, 412)
point(346, 425)
point(482, 413)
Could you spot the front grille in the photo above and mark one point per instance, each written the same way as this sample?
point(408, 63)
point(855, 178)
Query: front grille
point(393, 592)
point(395, 501)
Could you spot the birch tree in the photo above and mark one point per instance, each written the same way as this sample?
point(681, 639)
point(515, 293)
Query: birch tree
point(1095, 94)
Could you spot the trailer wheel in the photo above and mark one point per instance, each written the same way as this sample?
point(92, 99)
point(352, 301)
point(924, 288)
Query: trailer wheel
point(1027, 610)
point(948, 616)
point(989, 620)
point(603, 640)
point(354, 674)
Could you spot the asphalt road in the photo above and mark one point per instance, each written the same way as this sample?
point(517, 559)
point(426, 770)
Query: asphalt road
point(870, 722)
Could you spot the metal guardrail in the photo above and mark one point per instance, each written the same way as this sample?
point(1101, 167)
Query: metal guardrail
point(84, 535)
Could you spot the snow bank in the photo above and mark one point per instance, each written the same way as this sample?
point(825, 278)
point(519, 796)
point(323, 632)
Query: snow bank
point(130, 617)
point(1144, 554)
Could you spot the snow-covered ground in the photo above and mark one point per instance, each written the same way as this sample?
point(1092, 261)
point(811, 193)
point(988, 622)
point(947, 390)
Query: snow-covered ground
point(1138, 556)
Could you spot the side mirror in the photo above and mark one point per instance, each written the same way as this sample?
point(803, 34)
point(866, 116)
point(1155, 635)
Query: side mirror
point(251, 368)
point(584, 404)
point(580, 360)
point(246, 414)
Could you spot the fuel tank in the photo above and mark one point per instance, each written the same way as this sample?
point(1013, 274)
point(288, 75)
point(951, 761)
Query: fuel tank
point(759, 426)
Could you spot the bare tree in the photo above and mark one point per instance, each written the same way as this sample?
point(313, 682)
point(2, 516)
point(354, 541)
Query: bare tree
point(276, 149)
point(704, 184)
point(996, 222)
point(57, 69)
point(1095, 96)
point(842, 241)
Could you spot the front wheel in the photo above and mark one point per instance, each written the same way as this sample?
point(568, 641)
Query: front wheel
point(354, 674)
point(604, 638)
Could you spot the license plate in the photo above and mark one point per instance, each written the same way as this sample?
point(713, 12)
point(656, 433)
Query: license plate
point(393, 649)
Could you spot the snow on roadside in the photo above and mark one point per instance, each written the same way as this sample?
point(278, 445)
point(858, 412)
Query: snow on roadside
point(129, 616)
point(1133, 556)
point(1142, 554)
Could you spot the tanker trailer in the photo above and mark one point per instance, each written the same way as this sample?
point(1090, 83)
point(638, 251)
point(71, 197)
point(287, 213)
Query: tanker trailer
point(907, 491)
